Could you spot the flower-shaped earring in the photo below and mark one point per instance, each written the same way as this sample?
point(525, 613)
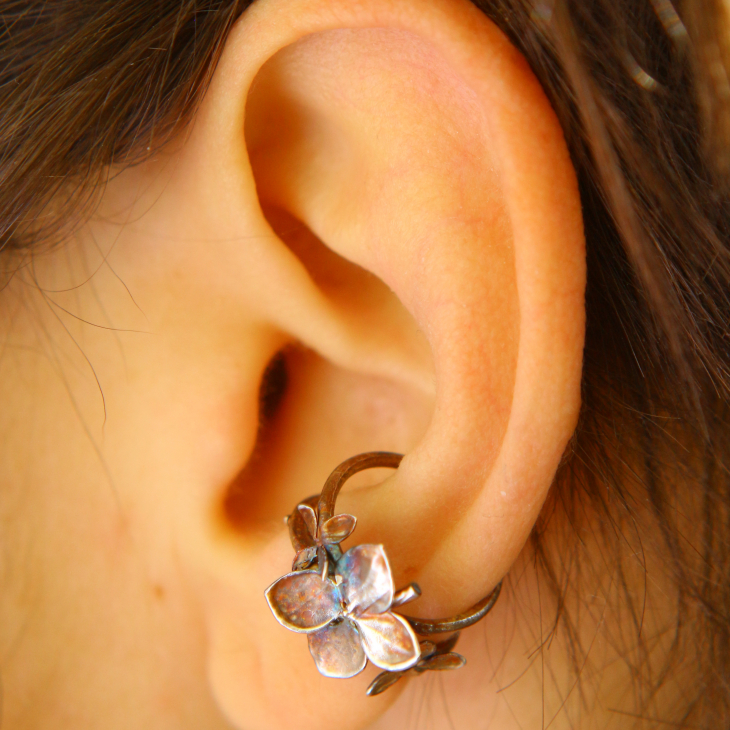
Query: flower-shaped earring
point(344, 605)
point(348, 619)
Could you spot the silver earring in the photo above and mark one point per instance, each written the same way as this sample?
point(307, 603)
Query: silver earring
point(345, 603)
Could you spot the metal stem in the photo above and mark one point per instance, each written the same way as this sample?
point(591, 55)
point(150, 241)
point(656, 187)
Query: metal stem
point(428, 626)
point(335, 481)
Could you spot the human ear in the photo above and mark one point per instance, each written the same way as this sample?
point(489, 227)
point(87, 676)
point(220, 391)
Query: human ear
point(401, 205)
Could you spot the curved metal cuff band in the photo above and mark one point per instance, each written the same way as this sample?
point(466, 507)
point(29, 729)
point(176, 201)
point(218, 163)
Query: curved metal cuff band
point(346, 603)
point(430, 626)
point(326, 510)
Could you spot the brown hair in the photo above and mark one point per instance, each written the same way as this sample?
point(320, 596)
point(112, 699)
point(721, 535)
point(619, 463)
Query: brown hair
point(641, 88)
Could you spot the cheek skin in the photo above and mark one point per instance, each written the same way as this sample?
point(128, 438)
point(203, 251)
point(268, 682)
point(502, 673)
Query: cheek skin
point(91, 582)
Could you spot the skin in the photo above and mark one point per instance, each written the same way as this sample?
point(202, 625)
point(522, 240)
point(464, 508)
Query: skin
point(381, 189)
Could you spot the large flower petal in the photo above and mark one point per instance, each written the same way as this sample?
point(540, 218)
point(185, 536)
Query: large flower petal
point(390, 642)
point(337, 650)
point(367, 583)
point(303, 602)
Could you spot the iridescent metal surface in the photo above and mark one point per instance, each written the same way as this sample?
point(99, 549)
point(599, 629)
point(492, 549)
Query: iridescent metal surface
point(304, 558)
point(367, 583)
point(303, 602)
point(344, 602)
point(299, 533)
point(337, 650)
point(338, 528)
point(434, 656)
point(310, 518)
point(430, 626)
point(444, 662)
point(406, 595)
point(389, 641)
point(360, 593)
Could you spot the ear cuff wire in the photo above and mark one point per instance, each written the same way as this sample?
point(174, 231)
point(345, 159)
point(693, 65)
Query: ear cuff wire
point(344, 602)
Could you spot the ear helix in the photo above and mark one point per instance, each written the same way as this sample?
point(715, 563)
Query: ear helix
point(344, 602)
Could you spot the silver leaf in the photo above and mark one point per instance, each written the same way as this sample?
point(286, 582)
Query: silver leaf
point(304, 558)
point(442, 662)
point(382, 682)
point(310, 518)
point(338, 528)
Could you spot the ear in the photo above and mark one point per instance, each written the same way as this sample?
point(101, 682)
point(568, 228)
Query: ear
point(401, 204)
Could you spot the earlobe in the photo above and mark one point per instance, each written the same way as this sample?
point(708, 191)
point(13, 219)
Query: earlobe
point(413, 207)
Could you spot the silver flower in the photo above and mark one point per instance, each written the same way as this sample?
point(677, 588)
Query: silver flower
point(347, 620)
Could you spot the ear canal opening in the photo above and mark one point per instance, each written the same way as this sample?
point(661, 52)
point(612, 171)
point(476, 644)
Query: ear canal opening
point(273, 391)
point(313, 415)
point(273, 388)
